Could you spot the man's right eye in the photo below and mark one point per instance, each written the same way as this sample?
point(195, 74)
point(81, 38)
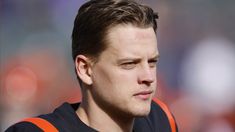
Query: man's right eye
point(128, 65)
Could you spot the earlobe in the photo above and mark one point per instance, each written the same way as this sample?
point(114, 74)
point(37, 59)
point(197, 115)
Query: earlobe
point(83, 69)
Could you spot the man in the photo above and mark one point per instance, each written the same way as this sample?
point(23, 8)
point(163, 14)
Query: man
point(114, 48)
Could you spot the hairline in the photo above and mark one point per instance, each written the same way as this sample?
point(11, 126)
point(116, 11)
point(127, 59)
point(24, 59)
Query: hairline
point(106, 40)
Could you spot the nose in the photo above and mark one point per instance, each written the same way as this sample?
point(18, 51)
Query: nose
point(147, 75)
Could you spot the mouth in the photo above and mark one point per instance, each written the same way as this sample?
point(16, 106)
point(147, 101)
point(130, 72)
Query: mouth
point(144, 95)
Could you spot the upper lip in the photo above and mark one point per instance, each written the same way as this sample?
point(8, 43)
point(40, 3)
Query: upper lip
point(144, 92)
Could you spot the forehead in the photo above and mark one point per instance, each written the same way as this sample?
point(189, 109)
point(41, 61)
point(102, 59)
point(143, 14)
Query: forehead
point(131, 40)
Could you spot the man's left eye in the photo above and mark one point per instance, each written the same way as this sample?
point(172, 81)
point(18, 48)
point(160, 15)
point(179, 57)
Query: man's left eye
point(152, 63)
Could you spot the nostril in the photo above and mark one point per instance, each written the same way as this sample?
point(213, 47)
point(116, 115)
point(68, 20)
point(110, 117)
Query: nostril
point(146, 80)
point(147, 83)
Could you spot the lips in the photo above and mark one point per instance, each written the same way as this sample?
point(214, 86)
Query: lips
point(144, 95)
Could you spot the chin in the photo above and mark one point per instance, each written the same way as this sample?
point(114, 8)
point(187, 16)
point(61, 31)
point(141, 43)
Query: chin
point(141, 111)
point(142, 114)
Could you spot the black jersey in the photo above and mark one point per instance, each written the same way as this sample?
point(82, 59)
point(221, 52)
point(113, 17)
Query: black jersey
point(65, 119)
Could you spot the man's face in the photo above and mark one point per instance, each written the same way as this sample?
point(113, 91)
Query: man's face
point(124, 78)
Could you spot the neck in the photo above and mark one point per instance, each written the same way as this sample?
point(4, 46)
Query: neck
point(94, 116)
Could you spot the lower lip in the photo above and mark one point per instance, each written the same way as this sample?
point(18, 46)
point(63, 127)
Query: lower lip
point(143, 96)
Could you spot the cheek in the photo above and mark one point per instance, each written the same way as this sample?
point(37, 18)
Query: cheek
point(154, 72)
point(115, 76)
point(106, 78)
point(122, 81)
point(127, 78)
point(125, 74)
point(115, 83)
point(110, 86)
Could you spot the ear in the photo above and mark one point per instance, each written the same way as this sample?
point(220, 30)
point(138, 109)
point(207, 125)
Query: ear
point(83, 69)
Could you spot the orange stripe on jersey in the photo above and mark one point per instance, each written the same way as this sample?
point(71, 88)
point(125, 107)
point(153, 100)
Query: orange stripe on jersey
point(168, 113)
point(42, 123)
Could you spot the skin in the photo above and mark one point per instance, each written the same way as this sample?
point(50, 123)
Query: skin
point(121, 85)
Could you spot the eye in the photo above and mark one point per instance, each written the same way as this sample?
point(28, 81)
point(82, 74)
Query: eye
point(152, 63)
point(128, 65)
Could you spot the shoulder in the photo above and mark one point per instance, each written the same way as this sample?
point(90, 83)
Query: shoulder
point(23, 127)
point(62, 118)
point(160, 113)
point(59, 118)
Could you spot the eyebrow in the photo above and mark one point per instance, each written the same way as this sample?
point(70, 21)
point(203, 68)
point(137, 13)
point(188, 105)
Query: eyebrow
point(135, 59)
point(128, 60)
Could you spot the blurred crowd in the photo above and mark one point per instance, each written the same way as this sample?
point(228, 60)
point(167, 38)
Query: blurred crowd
point(196, 71)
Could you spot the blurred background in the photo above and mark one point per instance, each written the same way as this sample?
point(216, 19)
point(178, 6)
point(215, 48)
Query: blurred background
point(196, 72)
